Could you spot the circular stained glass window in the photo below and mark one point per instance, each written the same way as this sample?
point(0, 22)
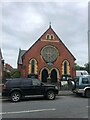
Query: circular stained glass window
point(49, 53)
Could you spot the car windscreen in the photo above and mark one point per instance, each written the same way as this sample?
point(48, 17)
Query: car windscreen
point(36, 82)
point(76, 80)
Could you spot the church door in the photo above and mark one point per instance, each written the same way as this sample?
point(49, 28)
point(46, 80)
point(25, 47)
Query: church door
point(44, 75)
point(53, 76)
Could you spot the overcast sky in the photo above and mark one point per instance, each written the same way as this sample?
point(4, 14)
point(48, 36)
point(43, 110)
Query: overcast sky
point(24, 22)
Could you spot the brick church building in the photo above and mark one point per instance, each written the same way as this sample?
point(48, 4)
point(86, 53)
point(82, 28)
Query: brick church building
point(47, 59)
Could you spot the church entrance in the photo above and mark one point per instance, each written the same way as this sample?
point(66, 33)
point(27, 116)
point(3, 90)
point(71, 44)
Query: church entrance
point(44, 75)
point(53, 76)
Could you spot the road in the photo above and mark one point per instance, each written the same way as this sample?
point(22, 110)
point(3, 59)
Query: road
point(62, 107)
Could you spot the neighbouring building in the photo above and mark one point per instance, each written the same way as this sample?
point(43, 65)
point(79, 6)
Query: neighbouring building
point(8, 67)
point(47, 59)
point(1, 66)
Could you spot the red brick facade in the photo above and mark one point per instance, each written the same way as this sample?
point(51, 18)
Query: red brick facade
point(33, 62)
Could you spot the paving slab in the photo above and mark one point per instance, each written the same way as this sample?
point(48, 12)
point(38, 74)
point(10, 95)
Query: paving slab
point(65, 93)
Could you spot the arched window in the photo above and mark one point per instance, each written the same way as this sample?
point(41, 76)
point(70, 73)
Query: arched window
point(65, 67)
point(52, 37)
point(53, 76)
point(47, 36)
point(44, 75)
point(33, 66)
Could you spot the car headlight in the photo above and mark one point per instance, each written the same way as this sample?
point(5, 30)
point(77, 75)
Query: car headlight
point(56, 87)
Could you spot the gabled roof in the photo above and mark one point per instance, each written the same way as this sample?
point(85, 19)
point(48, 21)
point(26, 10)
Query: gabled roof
point(57, 37)
point(37, 40)
point(63, 44)
point(21, 53)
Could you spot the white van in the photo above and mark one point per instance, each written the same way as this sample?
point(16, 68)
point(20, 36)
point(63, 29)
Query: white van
point(81, 72)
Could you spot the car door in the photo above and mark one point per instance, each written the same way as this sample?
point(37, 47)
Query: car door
point(37, 87)
point(84, 82)
point(26, 87)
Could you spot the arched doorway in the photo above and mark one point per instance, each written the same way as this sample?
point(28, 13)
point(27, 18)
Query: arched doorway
point(53, 76)
point(44, 75)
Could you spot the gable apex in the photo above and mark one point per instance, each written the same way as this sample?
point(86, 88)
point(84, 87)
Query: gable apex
point(49, 24)
point(50, 31)
point(39, 39)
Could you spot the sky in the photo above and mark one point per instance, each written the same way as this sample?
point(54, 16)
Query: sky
point(23, 22)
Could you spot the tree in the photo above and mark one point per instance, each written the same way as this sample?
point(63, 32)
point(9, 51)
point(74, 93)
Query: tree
point(87, 67)
point(15, 73)
point(11, 74)
point(5, 76)
point(77, 67)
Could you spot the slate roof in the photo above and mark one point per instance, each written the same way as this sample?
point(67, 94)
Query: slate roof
point(21, 53)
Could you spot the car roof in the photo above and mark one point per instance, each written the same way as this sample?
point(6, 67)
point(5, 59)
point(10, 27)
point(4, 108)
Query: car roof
point(85, 76)
point(17, 79)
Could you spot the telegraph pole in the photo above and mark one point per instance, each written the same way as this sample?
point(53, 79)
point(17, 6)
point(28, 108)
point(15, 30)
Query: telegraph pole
point(89, 51)
point(89, 37)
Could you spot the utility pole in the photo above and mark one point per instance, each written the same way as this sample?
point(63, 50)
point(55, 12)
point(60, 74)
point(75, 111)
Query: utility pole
point(89, 37)
point(89, 51)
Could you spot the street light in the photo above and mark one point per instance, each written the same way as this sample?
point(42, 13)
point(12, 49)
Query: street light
point(89, 37)
point(89, 51)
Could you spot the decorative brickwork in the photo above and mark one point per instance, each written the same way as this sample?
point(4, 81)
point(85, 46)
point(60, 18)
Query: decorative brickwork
point(51, 59)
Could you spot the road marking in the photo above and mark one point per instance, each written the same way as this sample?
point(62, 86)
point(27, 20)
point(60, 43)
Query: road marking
point(87, 106)
point(28, 111)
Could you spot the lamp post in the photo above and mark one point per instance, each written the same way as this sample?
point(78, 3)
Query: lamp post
point(89, 37)
point(89, 51)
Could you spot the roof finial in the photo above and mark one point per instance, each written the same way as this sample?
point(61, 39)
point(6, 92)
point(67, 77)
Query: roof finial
point(50, 24)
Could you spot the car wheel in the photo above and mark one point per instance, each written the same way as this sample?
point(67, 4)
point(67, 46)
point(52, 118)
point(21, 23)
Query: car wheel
point(15, 96)
point(87, 93)
point(51, 95)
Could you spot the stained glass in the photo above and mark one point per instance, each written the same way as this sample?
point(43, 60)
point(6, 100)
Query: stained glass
point(49, 53)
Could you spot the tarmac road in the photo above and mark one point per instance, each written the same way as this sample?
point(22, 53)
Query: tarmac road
point(64, 106)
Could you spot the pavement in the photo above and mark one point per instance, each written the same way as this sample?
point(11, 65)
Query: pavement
point(65, 93)
point(0, 95)
point(61, 93)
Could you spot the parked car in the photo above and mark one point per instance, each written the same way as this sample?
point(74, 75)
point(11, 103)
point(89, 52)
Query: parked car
point(81, 85)
point(15, 89)
point(81, 72)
